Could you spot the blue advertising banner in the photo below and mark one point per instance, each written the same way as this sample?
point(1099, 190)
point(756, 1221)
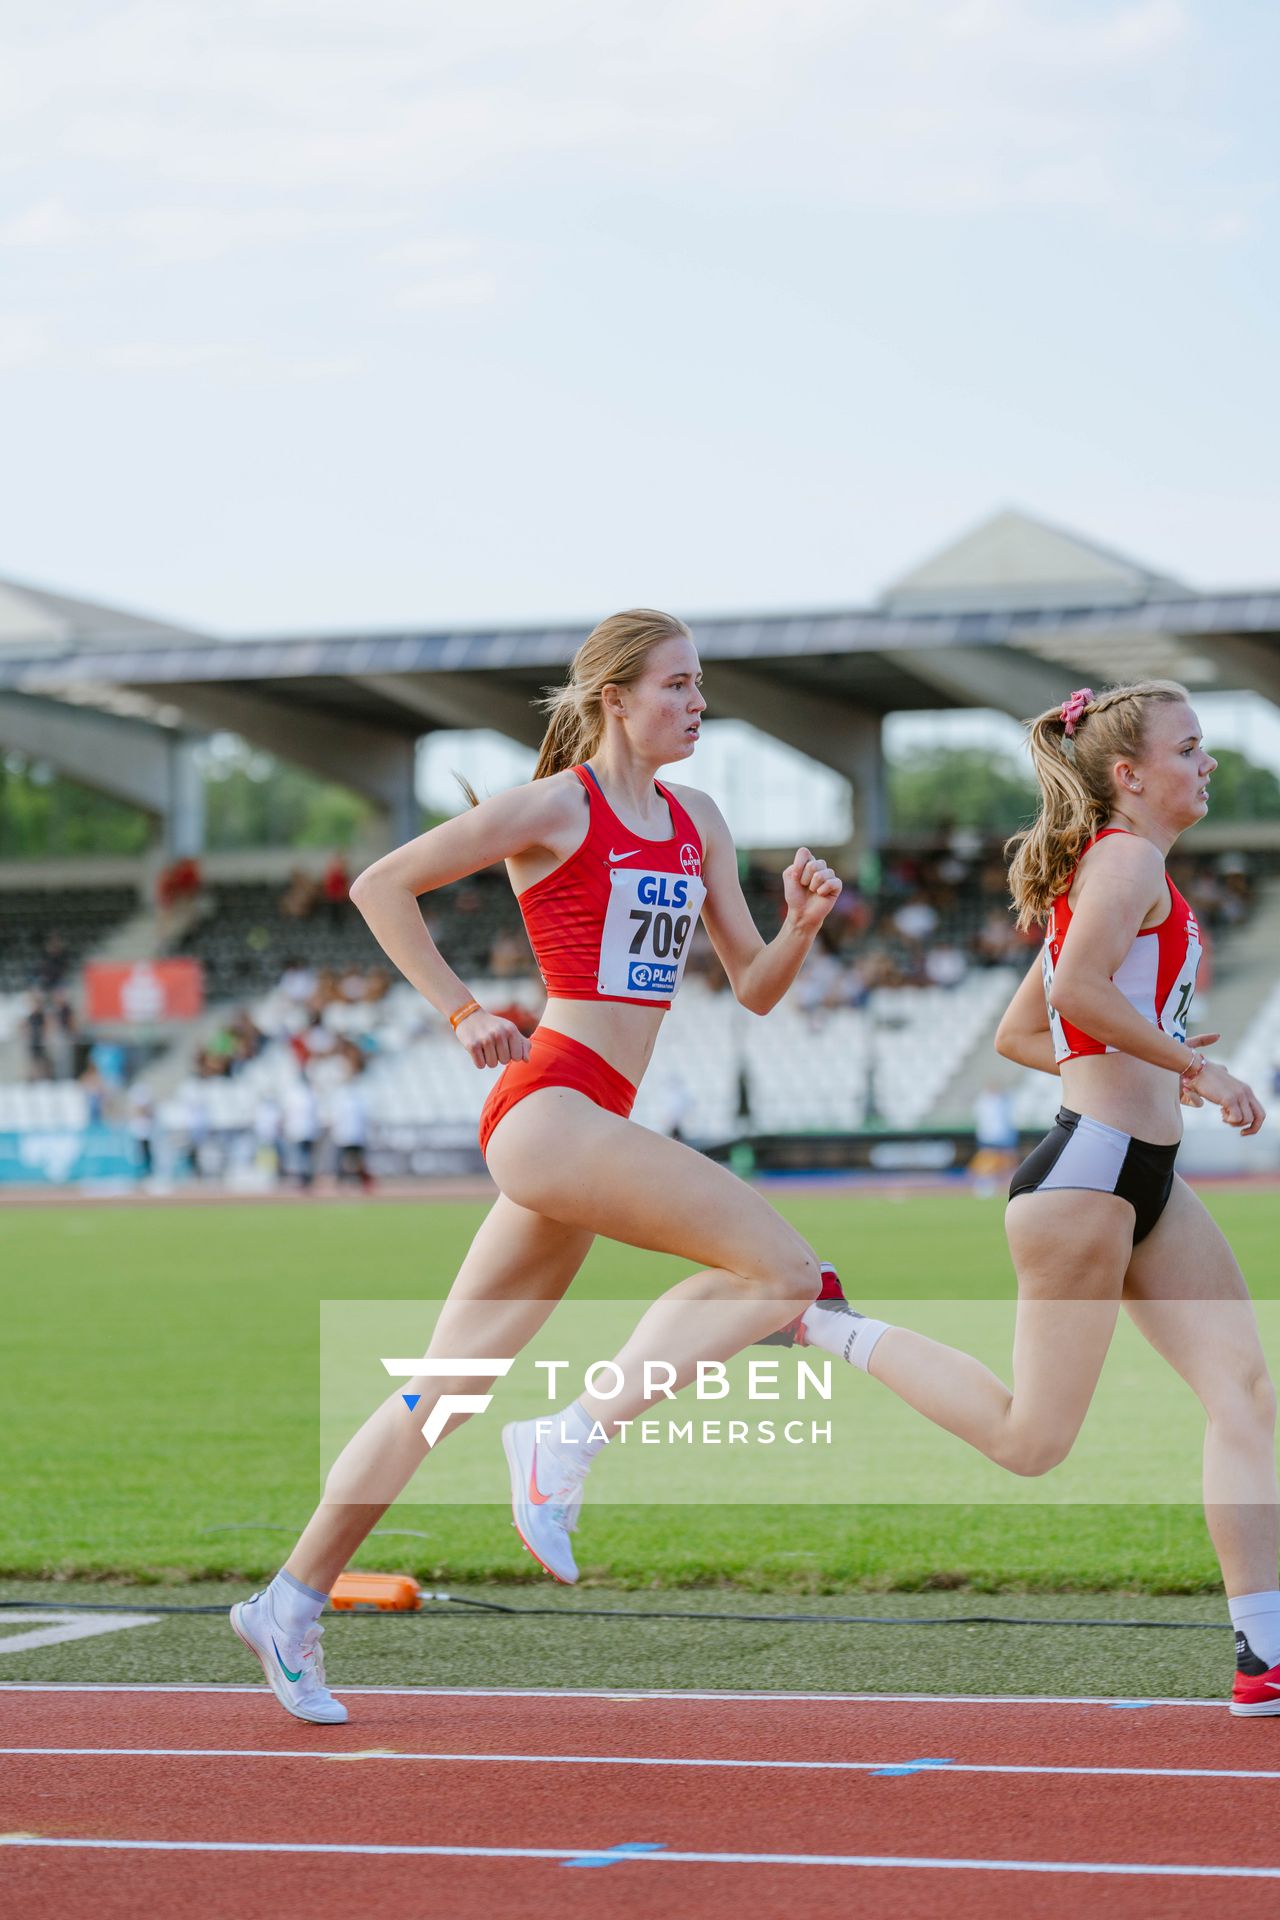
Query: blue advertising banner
point(55, 1156)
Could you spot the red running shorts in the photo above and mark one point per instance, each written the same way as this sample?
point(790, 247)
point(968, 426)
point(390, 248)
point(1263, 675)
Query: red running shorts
point(556, 1061)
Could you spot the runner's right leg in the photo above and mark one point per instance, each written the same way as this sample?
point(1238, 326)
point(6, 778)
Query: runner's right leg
point(1070, 1251)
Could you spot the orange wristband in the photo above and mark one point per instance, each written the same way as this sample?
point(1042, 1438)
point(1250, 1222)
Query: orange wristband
point(464, 1013)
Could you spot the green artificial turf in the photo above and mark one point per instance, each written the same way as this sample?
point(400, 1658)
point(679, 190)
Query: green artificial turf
point(162, 1418)
point(598, 1637)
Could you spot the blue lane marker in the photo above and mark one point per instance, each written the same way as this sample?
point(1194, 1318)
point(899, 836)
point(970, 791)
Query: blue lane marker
point(612, 1856)
point(1127, 1706)
point(411, 1400)
point(908, 1766)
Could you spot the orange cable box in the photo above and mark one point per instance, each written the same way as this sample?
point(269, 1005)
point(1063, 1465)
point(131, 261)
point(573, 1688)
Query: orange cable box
point(388, 1592)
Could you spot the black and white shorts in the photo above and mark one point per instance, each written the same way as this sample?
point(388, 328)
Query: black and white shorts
point(1080, 1152)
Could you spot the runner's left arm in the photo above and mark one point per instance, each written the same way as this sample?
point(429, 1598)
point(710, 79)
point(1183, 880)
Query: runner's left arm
point(1023, 1034)
point(759, 972)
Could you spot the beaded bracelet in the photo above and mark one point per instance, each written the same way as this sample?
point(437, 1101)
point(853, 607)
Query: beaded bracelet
point(464, 1013)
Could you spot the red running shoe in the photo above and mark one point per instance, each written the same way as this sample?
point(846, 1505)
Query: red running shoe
point(831, 1295)
point(1257, 1687)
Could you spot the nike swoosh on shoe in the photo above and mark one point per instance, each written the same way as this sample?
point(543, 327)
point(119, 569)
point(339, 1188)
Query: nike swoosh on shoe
point(538, 1499)
point(295, 1677)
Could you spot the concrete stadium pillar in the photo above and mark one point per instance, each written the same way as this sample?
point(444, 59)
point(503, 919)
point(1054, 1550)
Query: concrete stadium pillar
point(399, 784)
point(863, 752)
point(835, 732)
point(184, 816)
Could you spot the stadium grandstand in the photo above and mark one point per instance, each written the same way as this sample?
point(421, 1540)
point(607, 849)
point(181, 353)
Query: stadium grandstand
point(187, 1012)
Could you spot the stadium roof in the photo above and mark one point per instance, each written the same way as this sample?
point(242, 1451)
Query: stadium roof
point(1013, 584)
point(1010, 615)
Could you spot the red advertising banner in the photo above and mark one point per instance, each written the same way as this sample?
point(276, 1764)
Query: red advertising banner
point(141, 991)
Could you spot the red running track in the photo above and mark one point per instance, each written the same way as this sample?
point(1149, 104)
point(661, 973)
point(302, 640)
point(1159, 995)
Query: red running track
point(492, 1796)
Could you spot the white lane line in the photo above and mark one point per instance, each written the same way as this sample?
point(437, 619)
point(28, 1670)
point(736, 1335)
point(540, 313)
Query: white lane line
point(612, 1693)
point(56, 1626)
point(626, 1760)
point(329, 1849)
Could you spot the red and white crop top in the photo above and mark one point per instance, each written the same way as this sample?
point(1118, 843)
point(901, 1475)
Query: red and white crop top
point(614, 921)
point(1157, 976)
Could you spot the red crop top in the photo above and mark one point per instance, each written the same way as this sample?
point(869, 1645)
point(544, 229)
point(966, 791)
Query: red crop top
point(614, 921)
point(1157, 976)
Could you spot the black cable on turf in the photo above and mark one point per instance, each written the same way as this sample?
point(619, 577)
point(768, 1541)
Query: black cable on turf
point(644, 1613)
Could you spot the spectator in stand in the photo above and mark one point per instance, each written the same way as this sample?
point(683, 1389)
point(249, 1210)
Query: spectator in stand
point(218, 1058)
point(315, 1040)
point(35, 1030)
point(301, 897)
point(298, 981)
point(945, 965)
point(998, 943)
point(54, 961)
point(675, 1102)
point(268, 1122)
point(142, 1125)
point(853, 914)
point(61, 1037)
point(326, 991)
point(996, 1135)
point(177, 885)
point(301, 1128)
point(94, 1090)
point(916, 919)
point(336, 886)
point(249, 1038)
point(349, 1120)
point(354, 986)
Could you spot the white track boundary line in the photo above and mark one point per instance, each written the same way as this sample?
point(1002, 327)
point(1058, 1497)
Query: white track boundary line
point(622, 1694)
point(53, 1627)
point(330, 1850)
point(627, 1760)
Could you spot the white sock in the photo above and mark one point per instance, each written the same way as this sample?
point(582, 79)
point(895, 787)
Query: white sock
point(1257, 1617)
point(575, 1435)
point(294, 1607)
point(850, 1336)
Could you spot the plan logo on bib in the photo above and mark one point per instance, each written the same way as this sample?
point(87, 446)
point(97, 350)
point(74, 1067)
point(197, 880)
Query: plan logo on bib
point(651, 976)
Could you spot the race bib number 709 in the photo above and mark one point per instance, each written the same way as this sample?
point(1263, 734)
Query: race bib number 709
point(647, 930)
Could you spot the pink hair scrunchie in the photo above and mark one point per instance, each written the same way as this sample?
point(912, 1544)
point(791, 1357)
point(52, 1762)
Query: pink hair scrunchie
point(1073, 709)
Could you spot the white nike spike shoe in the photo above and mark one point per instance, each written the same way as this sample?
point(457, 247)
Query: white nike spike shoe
point(294, 1668)
point(546, 1493)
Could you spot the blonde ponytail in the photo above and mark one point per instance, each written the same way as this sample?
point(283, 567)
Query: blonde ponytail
point(1073, 750)
point(570, 737)
point(613, 654)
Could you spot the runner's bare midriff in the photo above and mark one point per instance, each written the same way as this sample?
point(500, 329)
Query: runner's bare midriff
point(622, 1035)
point(1141, 1099)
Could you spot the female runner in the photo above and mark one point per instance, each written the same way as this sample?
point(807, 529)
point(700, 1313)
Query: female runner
point(1097, 1214)
point(611, 871)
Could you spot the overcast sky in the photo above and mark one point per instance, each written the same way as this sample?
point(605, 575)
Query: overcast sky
point(323, 314)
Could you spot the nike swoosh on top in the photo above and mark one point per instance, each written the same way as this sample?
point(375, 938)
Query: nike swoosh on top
point(1273, 1684)
point(284, 1670)
point(623, 856)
